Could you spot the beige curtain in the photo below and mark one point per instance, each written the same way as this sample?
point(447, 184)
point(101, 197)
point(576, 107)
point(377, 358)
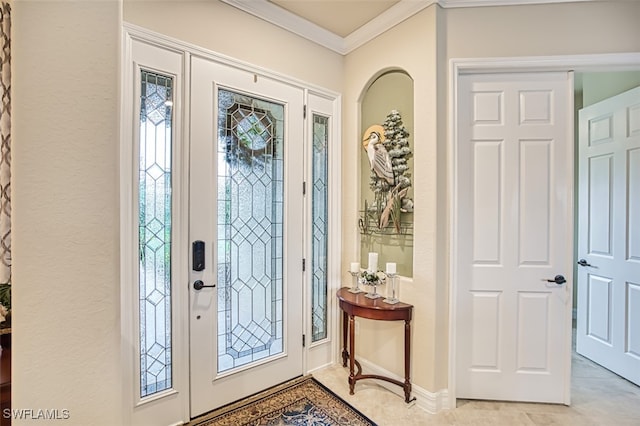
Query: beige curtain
point(5, 143)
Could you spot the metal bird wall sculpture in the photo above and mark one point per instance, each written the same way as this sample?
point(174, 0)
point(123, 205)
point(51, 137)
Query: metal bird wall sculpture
point(379, 159)
point(389, 177)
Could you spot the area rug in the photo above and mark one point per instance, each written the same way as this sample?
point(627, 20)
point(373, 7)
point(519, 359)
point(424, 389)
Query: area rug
point(302, 401)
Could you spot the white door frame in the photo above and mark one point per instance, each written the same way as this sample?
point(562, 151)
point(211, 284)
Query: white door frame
point(580, 63)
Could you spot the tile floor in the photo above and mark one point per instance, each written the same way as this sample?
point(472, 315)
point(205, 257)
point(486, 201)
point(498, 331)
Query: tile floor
point(599, 397)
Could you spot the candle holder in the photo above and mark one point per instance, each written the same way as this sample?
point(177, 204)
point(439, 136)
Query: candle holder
point(355, 288)
point(392, 300)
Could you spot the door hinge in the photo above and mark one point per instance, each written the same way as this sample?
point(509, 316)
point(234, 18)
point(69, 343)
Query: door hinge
point(304, 188)
point(304, 338)
point(304, 111)
point(304, 264)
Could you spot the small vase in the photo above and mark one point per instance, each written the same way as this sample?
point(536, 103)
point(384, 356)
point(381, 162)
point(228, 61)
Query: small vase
point(374, 294)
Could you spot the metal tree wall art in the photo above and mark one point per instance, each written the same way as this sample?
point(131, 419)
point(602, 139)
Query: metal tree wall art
point(387, 148)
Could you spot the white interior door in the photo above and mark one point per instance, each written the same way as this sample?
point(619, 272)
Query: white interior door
point(513, 232)
point(609, 234)
point(246, 205)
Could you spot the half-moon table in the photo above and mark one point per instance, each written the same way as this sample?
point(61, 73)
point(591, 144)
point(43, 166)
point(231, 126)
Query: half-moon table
point(357, 305)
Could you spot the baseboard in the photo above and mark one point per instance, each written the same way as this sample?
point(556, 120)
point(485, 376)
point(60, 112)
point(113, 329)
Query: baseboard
point(429, 401)
point(322, 367)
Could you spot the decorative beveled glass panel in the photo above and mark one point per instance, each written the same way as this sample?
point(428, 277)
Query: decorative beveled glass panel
point(250, 224)
point(319, 228)
point(155, 232)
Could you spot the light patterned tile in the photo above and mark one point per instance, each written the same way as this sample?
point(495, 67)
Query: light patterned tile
point(470, 404)
point(531, 407)
point(546, 419)
point(495, 418)
point(599, 398)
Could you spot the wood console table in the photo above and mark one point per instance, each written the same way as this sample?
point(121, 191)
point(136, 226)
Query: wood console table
point(357, 305)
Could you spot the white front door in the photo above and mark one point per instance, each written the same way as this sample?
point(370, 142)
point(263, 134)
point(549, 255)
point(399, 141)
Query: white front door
point(246, 207)
point(513, 197)
point(609, 234)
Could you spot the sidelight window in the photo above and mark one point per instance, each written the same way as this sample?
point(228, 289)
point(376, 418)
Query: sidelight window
point(319, 227)
point(154, 232)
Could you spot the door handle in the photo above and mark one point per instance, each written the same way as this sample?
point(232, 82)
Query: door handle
point(558, 279)
point(583, 262)
point(199, 285)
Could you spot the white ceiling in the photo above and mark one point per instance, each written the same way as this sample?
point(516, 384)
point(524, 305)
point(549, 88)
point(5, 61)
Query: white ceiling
point(344, 25)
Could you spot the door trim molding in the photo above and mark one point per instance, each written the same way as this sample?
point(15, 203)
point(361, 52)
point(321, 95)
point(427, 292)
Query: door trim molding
point(141, 33)
point(459, 66)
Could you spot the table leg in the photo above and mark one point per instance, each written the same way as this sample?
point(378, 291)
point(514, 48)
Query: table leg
point(345, 327)
point(407, 361)
point(352, 353)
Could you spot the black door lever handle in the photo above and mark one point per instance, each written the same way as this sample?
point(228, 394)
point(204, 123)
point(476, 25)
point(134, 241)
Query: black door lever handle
point(558, 279)
point(583, 262)
point(199, 285)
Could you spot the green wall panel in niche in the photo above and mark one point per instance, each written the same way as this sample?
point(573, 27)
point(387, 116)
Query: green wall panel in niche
point(391, 91)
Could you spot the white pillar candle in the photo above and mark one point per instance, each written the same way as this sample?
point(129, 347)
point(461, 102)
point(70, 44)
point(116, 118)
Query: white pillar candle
point(373, 262)
point(355, 267)
point(391, 268)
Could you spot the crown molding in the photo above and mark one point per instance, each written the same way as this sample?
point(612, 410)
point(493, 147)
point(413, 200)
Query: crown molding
point(391, 17)
point(276, 15)
point(396, 14)
point(450, 4)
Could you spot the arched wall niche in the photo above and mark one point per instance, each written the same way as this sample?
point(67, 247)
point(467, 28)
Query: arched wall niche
point(388, 90)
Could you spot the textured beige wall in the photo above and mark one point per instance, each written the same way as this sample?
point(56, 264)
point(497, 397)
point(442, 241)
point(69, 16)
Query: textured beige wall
point(546, 29)
point(66, 340)
point(226, 30)
point(411, 47)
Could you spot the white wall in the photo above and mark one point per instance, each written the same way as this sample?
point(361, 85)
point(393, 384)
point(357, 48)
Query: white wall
point(66, 330)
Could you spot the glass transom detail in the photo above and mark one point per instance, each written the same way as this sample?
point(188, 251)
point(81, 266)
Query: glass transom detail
point(250, 222)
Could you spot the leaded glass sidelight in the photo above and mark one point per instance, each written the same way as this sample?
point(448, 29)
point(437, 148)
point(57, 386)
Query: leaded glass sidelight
point(319, 229)
point(154, 239)
point(250, 229)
